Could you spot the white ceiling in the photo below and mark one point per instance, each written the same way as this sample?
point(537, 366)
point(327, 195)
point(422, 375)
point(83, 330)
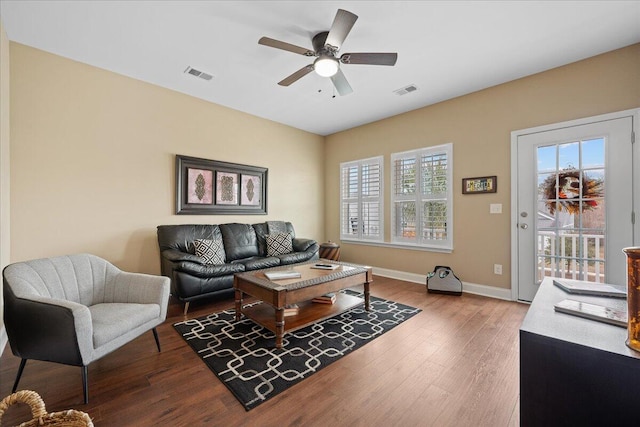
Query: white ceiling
point(445, 48)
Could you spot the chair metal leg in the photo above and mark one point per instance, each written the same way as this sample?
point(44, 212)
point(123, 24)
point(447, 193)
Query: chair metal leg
point(155, 335)
point(85, 383)
point(186, 308)
point(20, 369)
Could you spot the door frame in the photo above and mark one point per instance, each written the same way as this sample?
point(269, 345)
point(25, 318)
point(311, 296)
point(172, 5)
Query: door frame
point(633, 113)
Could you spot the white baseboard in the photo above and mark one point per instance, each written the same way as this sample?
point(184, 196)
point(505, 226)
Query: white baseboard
point(471, 288)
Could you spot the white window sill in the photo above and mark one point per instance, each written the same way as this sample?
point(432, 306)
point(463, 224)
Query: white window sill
point(398, 245)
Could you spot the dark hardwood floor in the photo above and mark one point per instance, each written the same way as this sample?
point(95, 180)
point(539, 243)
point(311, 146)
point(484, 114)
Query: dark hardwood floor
point(454, 364)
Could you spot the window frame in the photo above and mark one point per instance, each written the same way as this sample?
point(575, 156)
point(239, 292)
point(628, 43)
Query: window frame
point(418, 240)
point(360, 199)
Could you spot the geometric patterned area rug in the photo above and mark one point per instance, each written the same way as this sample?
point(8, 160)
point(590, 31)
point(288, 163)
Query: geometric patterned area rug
point(243, 354)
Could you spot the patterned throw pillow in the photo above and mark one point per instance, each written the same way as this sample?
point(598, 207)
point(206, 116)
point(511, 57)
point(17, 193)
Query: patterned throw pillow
point(279, 244)
point(211, 251)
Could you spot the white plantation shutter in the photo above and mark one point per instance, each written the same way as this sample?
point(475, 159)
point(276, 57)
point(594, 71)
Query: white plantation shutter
point(434, 173)
point(404, 195)
point(361, 201)
point(434, 196)
point(422, 197)
point(349, 179)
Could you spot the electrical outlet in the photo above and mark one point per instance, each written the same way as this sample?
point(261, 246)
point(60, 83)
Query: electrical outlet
point(497, 268)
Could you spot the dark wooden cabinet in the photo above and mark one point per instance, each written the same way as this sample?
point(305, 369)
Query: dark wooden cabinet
point(576, 371)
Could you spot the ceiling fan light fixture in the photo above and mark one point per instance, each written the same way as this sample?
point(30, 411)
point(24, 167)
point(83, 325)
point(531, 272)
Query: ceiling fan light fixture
point(326, 66)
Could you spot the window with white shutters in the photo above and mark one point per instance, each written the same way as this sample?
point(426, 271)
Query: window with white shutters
point(361, 202)
point(421, 198)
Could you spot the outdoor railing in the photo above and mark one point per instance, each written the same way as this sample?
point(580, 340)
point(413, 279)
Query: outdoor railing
point(571, 256)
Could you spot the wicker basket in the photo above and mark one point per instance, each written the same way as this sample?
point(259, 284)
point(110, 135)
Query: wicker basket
point(70, 418)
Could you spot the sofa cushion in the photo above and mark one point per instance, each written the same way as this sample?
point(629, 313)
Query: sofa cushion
point(276, 227)
point(190, 287)
point(257, 263)
point(240, 241)
point(210, 270)
point(279, 244)
point(181, 237)
point(211, 251)
point(262, 230)
point(295, 257)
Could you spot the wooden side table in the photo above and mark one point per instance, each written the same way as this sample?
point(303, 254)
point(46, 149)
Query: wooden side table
point(330, 250)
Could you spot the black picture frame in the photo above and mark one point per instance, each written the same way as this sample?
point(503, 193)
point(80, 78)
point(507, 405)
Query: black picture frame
point(212, 187)
point(480, 185)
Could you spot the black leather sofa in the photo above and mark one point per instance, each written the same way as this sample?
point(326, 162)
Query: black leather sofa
point(245, 249)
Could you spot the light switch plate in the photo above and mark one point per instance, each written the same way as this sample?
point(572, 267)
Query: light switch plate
point(495, 208)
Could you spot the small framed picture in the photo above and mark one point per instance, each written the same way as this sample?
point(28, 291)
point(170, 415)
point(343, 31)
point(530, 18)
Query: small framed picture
point(484, 184)
point(250, 190)
point(226, 188)
point(199, 186)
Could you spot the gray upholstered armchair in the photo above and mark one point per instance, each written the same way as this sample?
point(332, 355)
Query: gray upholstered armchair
point(75, 309)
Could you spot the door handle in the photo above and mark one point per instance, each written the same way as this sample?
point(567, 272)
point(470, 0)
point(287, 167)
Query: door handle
point(524, 226)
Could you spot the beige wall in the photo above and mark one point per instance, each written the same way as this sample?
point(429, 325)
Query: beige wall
point(479, 125)
point(93, 161)
point(4, 168)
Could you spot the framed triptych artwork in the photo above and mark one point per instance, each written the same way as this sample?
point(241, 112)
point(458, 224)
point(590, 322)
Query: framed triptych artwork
point(210, 187)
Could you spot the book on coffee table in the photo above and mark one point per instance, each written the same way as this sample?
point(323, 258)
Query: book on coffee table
point(291, 309)
point(329, 298)
point(282, 274)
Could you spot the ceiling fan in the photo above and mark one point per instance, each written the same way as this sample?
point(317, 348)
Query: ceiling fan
point(325, 48)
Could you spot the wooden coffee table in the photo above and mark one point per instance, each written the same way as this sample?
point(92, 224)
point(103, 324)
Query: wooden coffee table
point(279, 293)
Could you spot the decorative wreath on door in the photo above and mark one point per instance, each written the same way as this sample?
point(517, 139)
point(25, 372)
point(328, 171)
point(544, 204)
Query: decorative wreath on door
point(568, 192)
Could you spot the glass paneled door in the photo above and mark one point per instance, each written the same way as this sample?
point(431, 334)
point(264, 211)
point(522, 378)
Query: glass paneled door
point(574, 203)
point(571, 214)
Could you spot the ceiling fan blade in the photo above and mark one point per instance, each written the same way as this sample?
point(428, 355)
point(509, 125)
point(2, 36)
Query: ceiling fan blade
point(369, 58)
point(297, 75)
point(266, 41)
point(342, 24)
point(341, 84)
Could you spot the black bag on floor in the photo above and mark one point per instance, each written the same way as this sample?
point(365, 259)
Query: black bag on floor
point(442, 281)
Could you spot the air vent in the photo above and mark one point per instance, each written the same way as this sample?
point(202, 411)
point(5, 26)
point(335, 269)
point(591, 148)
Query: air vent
point(198, 73)
point(405, 90)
